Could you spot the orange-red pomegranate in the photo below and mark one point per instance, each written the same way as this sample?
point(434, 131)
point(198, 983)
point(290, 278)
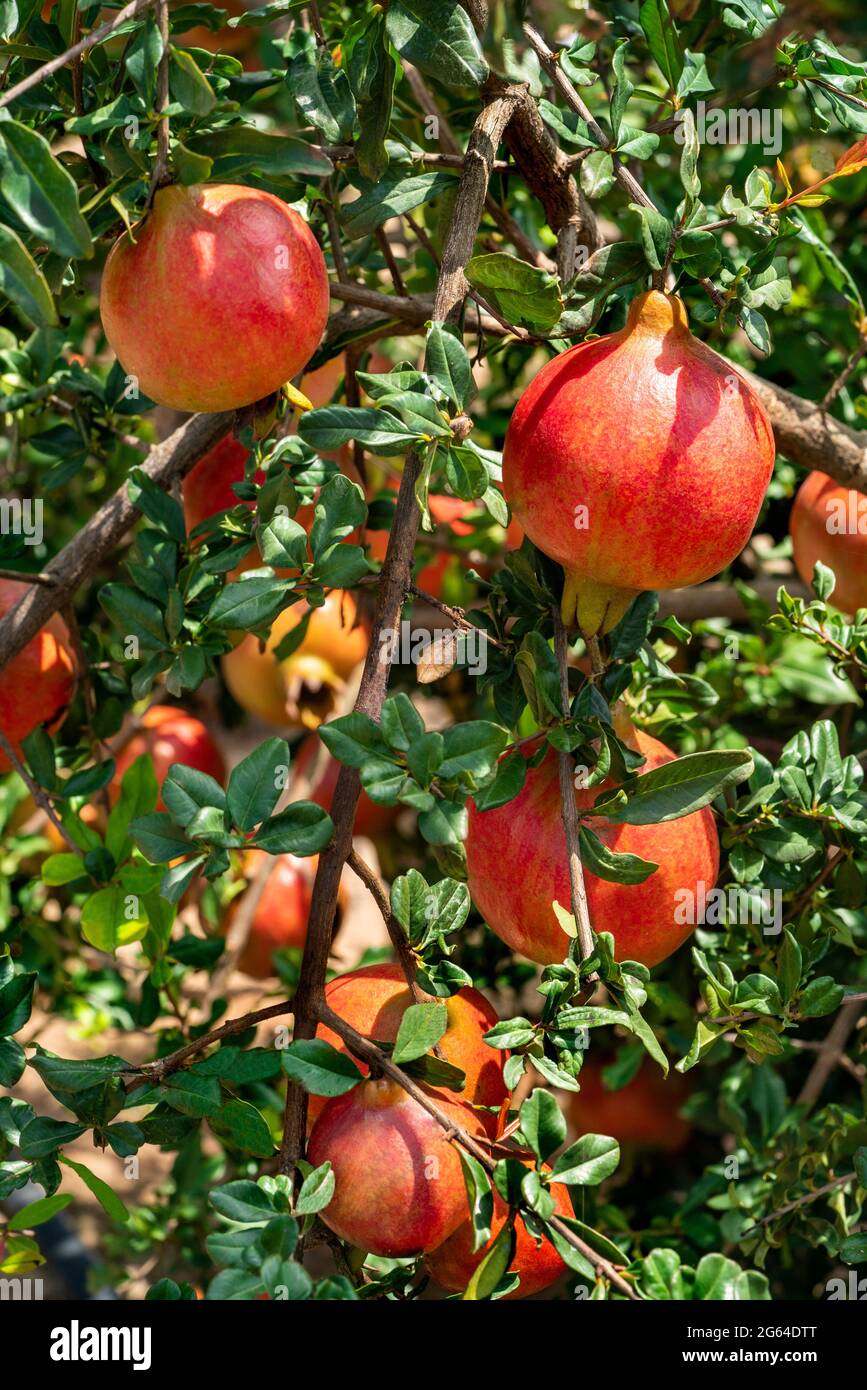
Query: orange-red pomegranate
point(399, 1185)
point(644, 1112)
point(637, 461)
point(36, 685)
point(453, 1263)
point(220, 299)
point(373, 1001)
point(299, 692)
point(527, 835)
point(170, 735)
point(828, 523)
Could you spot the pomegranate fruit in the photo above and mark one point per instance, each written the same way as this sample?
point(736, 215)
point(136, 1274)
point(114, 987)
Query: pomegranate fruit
point(299, 692)
point(281, 914)
point(170, 735)
point(454, 1263)
point(373, 1001)
point(399, 1184)
point(37, 685)
point(527, 834)
point(220, 299)
point(637, 461)
point(644, 1112)
point(828, 523)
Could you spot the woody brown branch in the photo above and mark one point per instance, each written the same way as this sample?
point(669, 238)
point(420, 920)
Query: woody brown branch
point(395, 579)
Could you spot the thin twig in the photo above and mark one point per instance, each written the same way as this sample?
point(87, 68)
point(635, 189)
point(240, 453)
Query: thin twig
point(566, 767)
point(36, 792)
point(402, 948)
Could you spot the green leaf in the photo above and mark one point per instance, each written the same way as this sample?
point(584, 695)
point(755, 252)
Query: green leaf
point(589, 1162)
point(523, 293)
point(680, 787)
point(243, 1202)
point(244, 149)
point(322, 94)
point(188, 85)
point(332, 426)
point(302, 829)
point(437, 36)
point(420, 1030)
point(446, 361)
point(494, 1267)
point(542, 1123)
point(662, 40)
point(257, 783)
point(158, 838)
point(394, 194)
point(22, 282)
point(606, 863)
point(35, 1213)
point(320, 1068)
point(110, 1203)
point(244, 1127)
point(822, 996)
point(316, 1191)
point(41, 193)
point(16, 1000)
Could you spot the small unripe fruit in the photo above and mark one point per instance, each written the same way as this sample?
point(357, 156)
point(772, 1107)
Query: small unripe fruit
point(828, 524)
point(637, 461)
point(36, 685)
point(220, 299)
point(527, 834)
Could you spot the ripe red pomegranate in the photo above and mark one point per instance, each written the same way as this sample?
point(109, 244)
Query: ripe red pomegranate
point(527, 835)
point(644, 1112)
point(170, 735)
point(399, 1184)
point(36, 685)
point(374, 1000)
point(220, 299)
point(828, 523)
point(453, 1263)
point(637, 461)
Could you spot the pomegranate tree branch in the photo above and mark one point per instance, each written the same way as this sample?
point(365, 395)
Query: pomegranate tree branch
point(566, 767)
point(801, 1202)
point(36, 792)
point(171, 459)
point(830, 1052)
point(165, 1066)
point(95, 36)
point(378, 1059)
point(394, 584)
point(402, 948)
